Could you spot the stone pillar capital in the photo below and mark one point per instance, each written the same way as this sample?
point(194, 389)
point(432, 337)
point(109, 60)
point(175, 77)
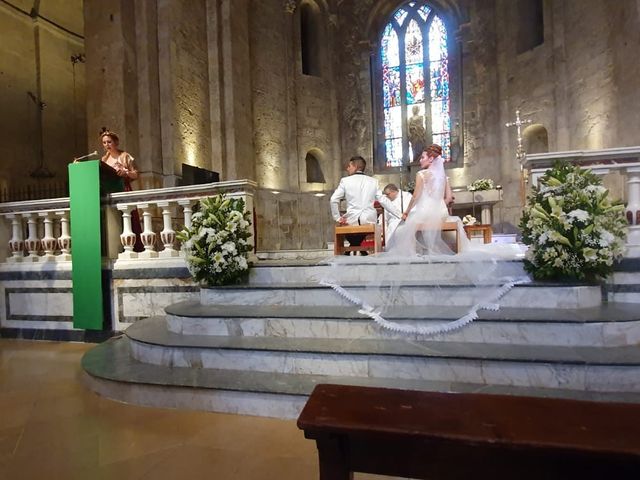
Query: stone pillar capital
point(290, 6)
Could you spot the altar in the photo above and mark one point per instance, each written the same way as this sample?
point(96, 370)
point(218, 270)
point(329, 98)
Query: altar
point(483, 201)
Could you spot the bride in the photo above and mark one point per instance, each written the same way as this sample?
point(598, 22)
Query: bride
point(420, 232)
point(418, 240)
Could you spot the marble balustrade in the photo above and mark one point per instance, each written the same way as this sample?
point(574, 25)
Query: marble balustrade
point(40, 230)
point(36, 231)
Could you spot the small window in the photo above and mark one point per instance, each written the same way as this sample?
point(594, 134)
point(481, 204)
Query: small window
point(530, 23)
point(310, 40)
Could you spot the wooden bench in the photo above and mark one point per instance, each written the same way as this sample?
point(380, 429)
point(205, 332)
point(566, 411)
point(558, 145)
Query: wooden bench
point(447, 227)
point(446, 436)
point(371, 245)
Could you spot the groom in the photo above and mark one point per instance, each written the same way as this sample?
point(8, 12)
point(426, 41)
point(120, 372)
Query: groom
point(359, 191)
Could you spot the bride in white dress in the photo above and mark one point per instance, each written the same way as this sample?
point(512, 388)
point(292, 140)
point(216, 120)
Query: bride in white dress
point(420, 232)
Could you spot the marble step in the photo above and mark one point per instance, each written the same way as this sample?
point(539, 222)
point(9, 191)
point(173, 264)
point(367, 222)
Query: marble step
point(111, 371)
point(593, 368)
point(607, 325)
point(362, 269)
point(529, 295)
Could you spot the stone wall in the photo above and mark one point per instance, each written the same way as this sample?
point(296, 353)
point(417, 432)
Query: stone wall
point(294, 113)
point(42, 120)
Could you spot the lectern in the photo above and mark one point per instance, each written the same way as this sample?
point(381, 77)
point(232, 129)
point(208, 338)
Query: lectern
point(88, 181)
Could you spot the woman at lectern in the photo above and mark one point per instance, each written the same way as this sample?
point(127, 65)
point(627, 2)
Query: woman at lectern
point(117, 159)
point(124, 165)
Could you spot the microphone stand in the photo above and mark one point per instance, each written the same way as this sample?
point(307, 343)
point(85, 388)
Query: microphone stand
point(77, 159)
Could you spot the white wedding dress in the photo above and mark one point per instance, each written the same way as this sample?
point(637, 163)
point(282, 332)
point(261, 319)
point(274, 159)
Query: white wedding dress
point(416, 243)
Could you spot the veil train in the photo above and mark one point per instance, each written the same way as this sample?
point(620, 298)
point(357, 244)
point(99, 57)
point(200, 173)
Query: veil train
point(385, 286)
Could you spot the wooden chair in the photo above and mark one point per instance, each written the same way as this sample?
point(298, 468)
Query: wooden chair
point(371, 244)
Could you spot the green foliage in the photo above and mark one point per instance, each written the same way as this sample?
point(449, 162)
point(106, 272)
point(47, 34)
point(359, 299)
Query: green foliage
point(216, 246)
point(572, 228)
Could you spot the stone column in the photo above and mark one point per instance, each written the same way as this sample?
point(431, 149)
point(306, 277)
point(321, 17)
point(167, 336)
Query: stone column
point(236, 80)
point(149, 154)
point(184, 86)
point(111, 73)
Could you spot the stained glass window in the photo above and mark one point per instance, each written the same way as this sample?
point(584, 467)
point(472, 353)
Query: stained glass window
point(416, 102)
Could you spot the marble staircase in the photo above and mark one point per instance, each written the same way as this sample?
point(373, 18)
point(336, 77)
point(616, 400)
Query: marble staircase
point(260, 348)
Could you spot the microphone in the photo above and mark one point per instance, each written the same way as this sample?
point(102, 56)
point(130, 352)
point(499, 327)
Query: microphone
point(77, 159)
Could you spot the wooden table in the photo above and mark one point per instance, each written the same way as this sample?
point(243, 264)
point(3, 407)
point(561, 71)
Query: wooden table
point(444, 436)
point(485, 229)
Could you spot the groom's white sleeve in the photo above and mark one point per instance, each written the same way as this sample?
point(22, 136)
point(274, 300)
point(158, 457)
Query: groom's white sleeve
point(335, 201)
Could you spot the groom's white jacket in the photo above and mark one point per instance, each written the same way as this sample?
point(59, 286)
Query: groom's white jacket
point(359, 191)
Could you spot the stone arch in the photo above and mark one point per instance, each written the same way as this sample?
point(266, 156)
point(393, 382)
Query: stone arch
point(313, 165)
point(536, 139)
point(311, 38)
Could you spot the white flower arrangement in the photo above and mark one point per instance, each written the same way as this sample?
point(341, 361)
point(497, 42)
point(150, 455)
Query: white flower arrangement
point(571, 226)
point(216, 246)
point(469, 220)
point(481, 184)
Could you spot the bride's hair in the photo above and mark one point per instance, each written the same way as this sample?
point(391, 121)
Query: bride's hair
point(434, 149)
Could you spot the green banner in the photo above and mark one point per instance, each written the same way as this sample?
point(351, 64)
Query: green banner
point(86, 258)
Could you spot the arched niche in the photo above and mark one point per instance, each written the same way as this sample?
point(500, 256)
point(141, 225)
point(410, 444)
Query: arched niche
point(313, 164)
point(536, 139)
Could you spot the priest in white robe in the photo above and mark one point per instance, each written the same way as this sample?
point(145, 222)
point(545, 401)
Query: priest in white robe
point(399, 200)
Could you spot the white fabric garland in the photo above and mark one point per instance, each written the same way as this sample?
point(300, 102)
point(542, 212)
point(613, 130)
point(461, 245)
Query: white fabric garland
point(471, 315)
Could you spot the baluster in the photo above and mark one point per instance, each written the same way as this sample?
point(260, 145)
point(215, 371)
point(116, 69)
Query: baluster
point(127, 237)
point(147, 236)
point(187, 212)
point(633, 195)
point(186, 208)
point(16, 244)
point(168, 234)
point(64, 240)
point(48, 241)
point(32, 243)
point(633, 211)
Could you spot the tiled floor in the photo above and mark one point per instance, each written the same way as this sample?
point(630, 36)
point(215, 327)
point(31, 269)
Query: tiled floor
point(52, 427)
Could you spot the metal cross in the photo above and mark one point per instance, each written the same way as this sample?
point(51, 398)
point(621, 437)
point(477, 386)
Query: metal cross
point(520, 153)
